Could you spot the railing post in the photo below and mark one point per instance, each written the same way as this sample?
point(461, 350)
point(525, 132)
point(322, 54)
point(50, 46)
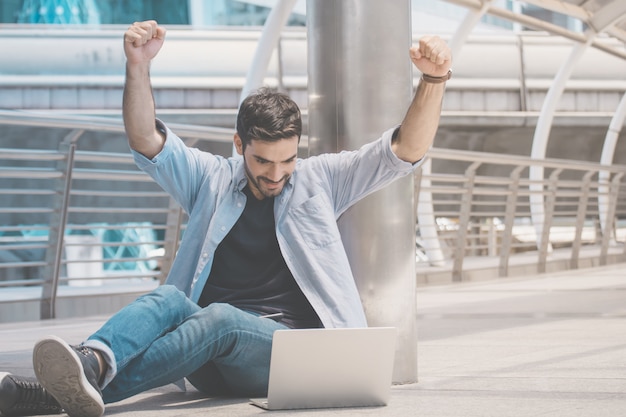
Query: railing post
point(425, 215)
point(617, 199)
point(581, 214)
point(509, 220)
point(58, 221)
point(547, 222)
point(610, 217)
point(464, 217)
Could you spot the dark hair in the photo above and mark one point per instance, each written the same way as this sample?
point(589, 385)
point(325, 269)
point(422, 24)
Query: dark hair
point(268, 115)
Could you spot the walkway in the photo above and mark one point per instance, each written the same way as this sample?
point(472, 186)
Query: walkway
point(551, 345)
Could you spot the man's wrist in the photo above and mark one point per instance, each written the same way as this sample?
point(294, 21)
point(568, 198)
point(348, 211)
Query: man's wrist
point(436, 80)
point(137, 69)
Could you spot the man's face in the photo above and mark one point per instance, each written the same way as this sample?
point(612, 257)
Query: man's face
point(268, 164)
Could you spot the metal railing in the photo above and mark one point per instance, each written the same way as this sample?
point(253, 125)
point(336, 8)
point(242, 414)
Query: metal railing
point(481, 203)
point(75, 194)
point(82, 217)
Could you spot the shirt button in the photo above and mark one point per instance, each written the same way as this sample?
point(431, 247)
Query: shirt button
point(239, 204)
point(204, 255)
point(223, 228)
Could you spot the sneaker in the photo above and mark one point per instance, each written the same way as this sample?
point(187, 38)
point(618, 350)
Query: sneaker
point(20, 396)
point(71, 375)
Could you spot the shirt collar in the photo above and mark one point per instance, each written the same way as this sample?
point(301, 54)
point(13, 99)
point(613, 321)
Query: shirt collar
point(239, 173)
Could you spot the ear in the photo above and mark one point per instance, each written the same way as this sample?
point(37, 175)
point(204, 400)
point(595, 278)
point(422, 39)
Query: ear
point(238, 144)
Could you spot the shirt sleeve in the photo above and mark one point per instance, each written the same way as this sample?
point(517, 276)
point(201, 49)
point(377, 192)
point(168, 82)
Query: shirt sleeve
point(351, 175)
point(178, 169)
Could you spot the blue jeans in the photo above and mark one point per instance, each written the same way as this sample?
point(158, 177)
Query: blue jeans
point(163, 337)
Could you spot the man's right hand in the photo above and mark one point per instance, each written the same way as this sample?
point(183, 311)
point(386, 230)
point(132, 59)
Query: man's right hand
point(142, 41)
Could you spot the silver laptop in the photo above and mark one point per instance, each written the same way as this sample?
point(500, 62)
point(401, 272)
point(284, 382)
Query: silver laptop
point(321, 368)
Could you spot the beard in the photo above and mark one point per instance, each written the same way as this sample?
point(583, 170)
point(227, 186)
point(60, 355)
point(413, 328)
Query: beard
point(263, 185)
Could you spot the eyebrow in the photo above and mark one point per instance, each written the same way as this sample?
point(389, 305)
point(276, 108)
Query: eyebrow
point(259, 158)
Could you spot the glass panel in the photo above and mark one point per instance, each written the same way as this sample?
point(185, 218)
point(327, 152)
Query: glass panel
point(170, 12)
point(123, 12)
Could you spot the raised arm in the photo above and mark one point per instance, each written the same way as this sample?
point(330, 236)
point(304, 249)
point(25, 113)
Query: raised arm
point(432, 57)
point(142, 42)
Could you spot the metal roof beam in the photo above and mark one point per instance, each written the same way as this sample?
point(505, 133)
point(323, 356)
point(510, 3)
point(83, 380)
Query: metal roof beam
point(539, 24)
point(525, 20)
point(608, 15)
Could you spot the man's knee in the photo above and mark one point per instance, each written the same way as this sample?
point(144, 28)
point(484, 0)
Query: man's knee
point(167, 299)
point(164, 292)
point(223, 315)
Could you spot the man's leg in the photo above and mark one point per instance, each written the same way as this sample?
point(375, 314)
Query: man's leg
point(134, 328)
point(239, 343)
point(72, 374)
point(210, 381)
point(151, 347)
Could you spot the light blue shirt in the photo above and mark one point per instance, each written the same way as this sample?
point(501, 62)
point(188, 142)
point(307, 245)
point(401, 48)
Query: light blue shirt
point(209, 188)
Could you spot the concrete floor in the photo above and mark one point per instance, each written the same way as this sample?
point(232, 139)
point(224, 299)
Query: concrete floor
point(549, 345)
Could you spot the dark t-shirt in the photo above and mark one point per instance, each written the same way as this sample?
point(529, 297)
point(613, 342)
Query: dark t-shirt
point(249, 271)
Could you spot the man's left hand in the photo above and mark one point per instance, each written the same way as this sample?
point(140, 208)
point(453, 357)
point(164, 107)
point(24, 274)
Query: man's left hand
point(432, 56)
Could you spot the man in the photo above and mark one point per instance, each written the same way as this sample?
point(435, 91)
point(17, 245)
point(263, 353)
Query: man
point(261, 252)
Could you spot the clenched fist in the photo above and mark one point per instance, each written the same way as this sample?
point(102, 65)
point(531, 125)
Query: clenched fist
point(142, 41)
point(432, 56)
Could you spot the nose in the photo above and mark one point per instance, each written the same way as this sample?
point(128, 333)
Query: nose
point(275, 173)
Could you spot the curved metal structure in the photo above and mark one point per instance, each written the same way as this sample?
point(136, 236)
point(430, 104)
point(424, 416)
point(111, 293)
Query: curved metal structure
point(424, 208)
point(602, 17)
point(608, 151)
point(540, 139)
point(270, 38)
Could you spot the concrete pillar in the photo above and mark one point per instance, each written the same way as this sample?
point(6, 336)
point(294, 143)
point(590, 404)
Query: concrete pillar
point(360, 84)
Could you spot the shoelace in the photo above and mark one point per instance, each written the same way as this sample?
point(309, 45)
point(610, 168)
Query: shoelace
point(84, 350)
point(33, 397)
point(88, 352)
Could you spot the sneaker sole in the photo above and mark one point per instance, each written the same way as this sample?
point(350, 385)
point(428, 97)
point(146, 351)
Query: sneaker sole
point(60, 372)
